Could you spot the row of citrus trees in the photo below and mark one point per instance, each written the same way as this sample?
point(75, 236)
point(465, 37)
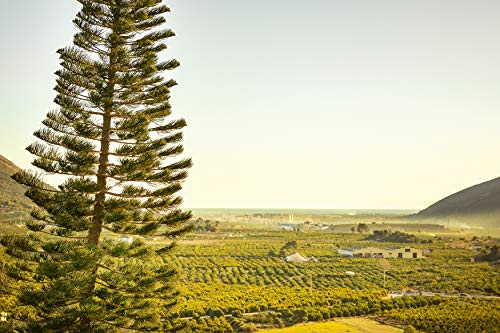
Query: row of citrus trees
point(256, 261)
point(452, 315)
point(431, 315)
point(249, 276)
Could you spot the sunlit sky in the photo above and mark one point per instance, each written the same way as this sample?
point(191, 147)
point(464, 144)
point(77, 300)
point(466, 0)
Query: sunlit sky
point(300, 104)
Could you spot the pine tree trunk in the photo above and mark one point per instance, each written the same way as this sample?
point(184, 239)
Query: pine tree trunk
point(98, 213)
point(100, 198)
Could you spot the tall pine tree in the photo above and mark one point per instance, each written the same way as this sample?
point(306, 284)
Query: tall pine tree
point(112, 139)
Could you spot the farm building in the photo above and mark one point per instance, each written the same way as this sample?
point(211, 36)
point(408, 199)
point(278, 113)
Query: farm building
point(372, 252)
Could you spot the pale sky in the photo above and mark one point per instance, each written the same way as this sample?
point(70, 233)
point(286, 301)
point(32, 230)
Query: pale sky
point(300, 104)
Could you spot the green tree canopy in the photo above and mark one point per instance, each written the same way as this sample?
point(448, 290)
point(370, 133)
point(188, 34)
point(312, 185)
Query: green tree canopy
point(410, 329)
point(362, 228)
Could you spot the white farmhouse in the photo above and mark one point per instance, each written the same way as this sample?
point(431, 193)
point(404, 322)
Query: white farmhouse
point(372, 252)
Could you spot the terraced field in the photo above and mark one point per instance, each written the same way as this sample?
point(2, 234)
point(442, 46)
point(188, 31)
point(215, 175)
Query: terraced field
point(244, 281)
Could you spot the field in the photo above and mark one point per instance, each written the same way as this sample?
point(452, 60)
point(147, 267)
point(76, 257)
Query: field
point(344, 325)
point(233, 278)
point(237, 276)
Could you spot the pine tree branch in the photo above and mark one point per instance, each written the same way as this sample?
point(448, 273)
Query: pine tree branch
point(113, 324)
point(132, 292)
point(45, 189)
point(67, 237)
point(90, 48)
point(65, 91)
point(109, 268)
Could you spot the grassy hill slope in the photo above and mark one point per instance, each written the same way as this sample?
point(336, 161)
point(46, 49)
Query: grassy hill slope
point(477, 205)
point(13, 203)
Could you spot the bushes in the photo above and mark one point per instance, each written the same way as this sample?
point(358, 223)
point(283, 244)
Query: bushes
point(452, 315)
point(206, 325)
point(410, 329)
point(238, 276)
point(392, 237)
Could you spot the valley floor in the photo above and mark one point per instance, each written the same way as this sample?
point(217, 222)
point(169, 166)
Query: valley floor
point(341, 325)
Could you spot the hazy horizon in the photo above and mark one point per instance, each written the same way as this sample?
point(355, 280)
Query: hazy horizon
point(325, 104)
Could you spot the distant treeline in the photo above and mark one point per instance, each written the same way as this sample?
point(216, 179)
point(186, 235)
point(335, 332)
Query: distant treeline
point(395, 237)
point(201, 225)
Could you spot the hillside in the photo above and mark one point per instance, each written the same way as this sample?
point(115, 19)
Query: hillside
point(478, 205)
point(13, 203)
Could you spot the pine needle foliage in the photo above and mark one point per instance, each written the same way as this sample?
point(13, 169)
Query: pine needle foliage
point(119, 151)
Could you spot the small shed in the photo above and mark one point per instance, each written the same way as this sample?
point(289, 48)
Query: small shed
point(296, 258)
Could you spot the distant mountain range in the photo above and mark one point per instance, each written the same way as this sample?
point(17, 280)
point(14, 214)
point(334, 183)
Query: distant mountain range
point(13, 203)
point(478, 205)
